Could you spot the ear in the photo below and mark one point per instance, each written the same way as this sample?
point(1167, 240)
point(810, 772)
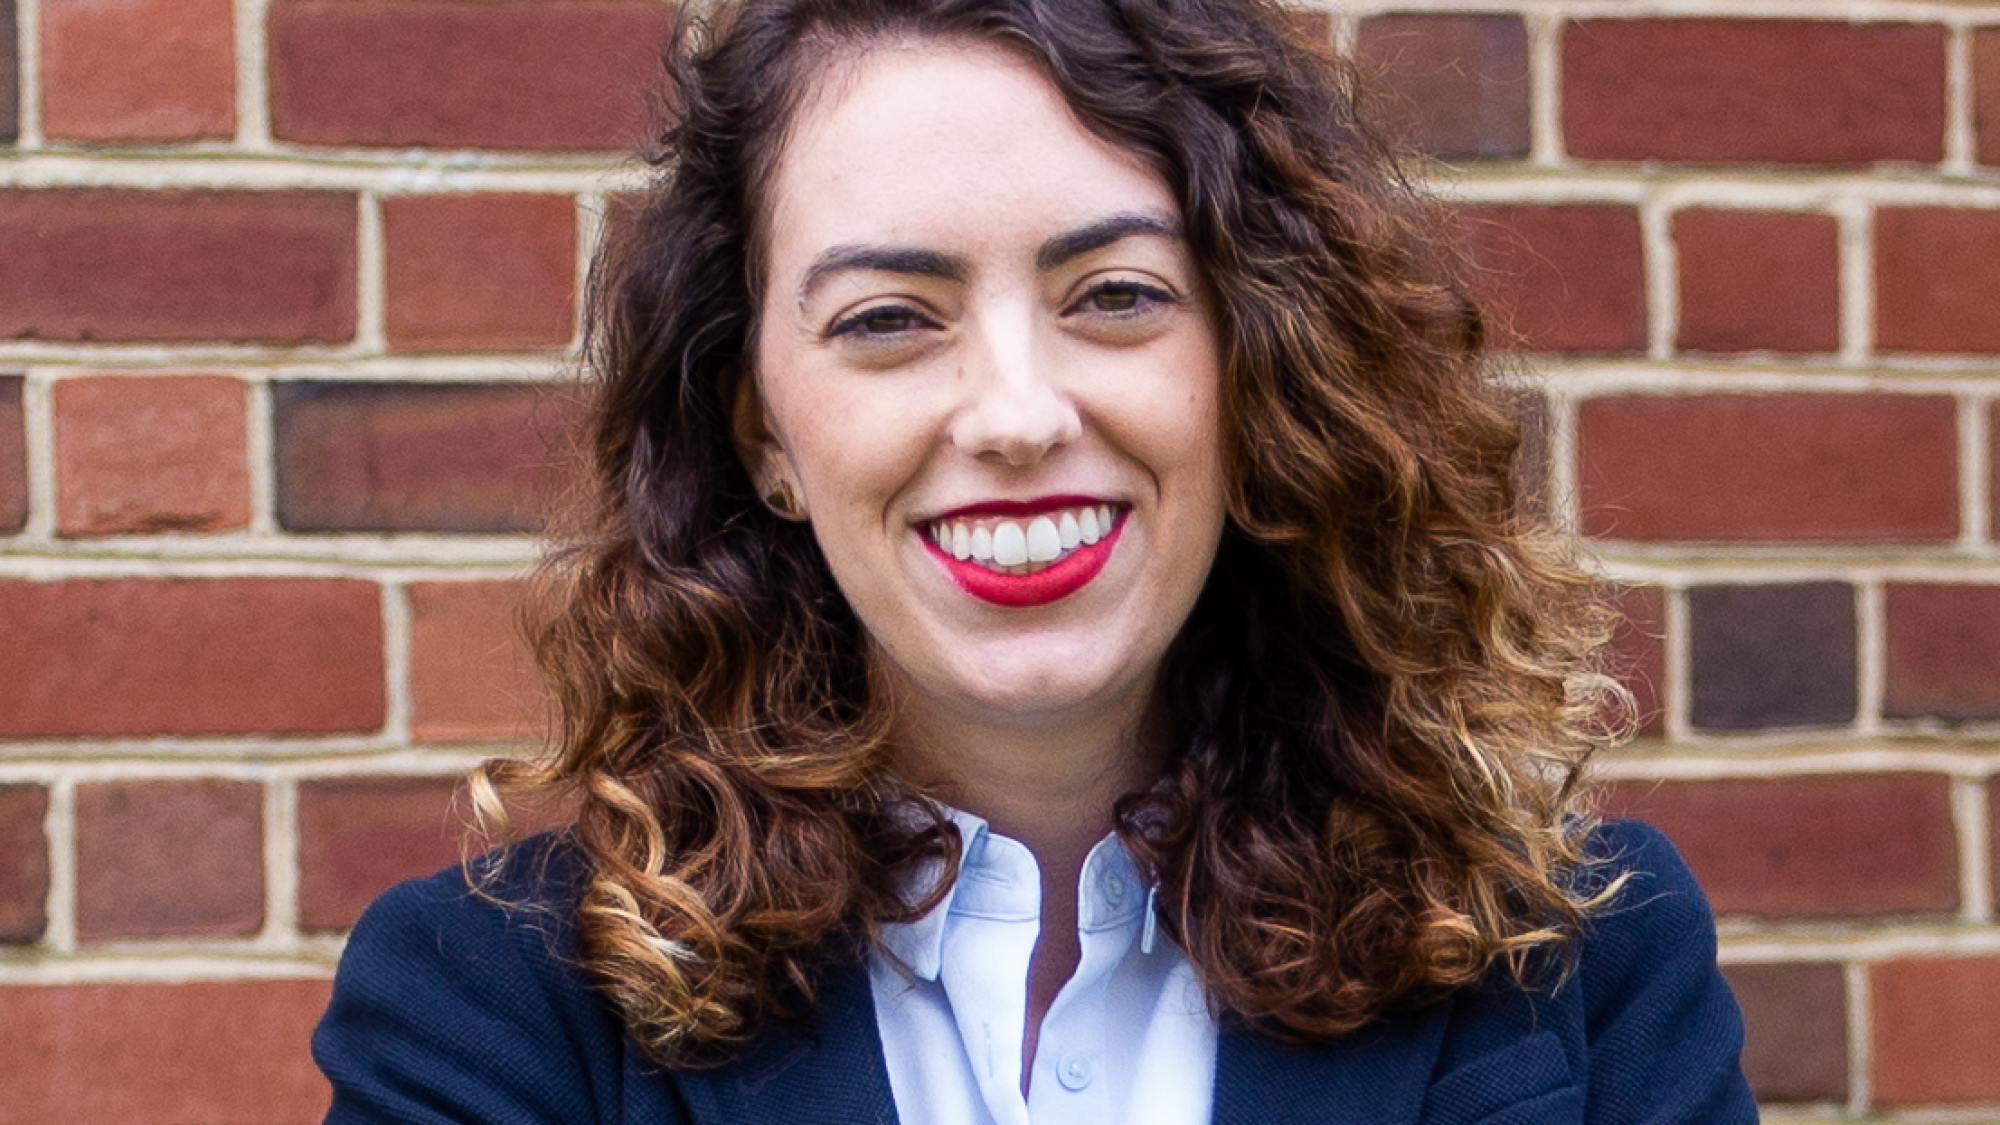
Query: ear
point(757, 445)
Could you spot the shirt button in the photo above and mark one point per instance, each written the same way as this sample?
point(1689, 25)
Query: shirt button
point(1074, 1071)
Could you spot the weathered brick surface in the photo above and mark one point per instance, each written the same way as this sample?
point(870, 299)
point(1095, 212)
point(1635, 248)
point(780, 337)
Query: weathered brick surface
point(10, 83)
point(480, 271)
point(1780, 655)
point(215, 1052)
point(1562, 278)
point(1942, 651)
point(182, 656)
point(1638, 655)
point(138, 70)
point(1986, 93)
point(471, 678)
point(1753, 91)
point(13, 457)
point(1771, 468)
point(1936, 271)
point(1936, 1031)
point(360, 836)
point(113, 264)
point(464, 73)
point(1758, 281)
point(169, 858)
point(24, 862)
point(1458, 83)
point(151, 454)
point(1851, 846)
point(1794, 1030)
point(394, 457)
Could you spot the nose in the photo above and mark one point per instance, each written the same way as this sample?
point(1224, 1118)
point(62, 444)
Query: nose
point(1015, 412)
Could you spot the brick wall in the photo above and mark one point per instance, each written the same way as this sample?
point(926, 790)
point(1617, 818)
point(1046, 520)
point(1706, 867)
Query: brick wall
point(286, 288)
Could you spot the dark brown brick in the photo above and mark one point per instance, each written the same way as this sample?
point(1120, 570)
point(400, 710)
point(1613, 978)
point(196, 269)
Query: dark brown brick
point(1772, 656)
point(160, 453)
point(1936, 272)
point(1841, 845)
point(214, 1052)
point(360, 836)
point(1720, 91)
point(113, 264)
point(1758, 281)
point(138, 70)
point(1943, 652)
point(480, 271)
point(182, 656)
point(1564, 278)
point(1769, 468)
point(1986, 93)
point(169, 858)
point(1795, 1030)
point(464, 73)
point(10, 82)
point(471, 678)
point(1461, 80)
point(1638, 653)
point(24, 862)
point(1937, 1030)
point(13, 457)
point(398, 457)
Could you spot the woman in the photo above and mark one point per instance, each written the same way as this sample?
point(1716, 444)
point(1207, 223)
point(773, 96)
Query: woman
point(1057, 639)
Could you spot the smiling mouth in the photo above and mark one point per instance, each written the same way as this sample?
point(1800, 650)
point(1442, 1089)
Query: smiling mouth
point(1023, 559)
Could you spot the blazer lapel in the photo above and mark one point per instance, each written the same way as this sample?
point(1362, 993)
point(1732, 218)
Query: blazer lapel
point(828, 1068)
point(1375, 1076)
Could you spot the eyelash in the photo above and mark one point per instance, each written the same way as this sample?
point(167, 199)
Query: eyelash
point(857, 324)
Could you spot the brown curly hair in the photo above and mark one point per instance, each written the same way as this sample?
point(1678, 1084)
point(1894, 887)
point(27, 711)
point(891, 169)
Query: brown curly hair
point(1380, 704)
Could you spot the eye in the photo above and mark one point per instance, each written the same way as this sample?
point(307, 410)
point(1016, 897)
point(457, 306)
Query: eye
point(1121, 297)
point(881, 320)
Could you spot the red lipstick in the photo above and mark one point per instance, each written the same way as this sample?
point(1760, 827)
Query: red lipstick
point(1058, 580)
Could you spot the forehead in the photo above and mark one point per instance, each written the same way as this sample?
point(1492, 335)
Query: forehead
point(943, 144)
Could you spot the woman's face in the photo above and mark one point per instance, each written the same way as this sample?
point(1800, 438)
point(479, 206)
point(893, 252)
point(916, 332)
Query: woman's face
point(988, 372)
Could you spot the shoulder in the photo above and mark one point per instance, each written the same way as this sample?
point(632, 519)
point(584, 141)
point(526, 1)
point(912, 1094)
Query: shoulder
point(1653, 917)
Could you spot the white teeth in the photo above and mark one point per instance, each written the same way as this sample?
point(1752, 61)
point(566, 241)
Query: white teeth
point(1104, 519)
point(1044, 541)
point(1070, 531)
point(961, 542)
point(982, 544)
point(1010, 545)
point(1087, 526)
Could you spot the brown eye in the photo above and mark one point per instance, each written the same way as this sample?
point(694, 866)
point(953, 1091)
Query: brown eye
point(883, 320)
point(1121, 298)
point(1116, 298)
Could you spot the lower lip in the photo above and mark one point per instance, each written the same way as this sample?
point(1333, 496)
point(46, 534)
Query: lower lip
point(1051, 583)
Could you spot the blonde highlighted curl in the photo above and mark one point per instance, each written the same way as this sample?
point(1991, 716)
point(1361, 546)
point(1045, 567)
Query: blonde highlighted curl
point(1381, 704)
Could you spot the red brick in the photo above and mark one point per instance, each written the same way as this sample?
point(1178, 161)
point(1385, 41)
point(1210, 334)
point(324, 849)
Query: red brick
point(1794, 1030)
point(214, 1052)
point(1461, 79)
point(1993, 466)
point(1993, 833)
point(13, 457)
point(1943, 652)
point(1986, 92)
point(1936, 272)
point(480, 271)
point(109, 264)
point(1937, 1030)
point(1771, 468)
point(140, 656)
point(1758, 280)
point(471, 677)
point(169, 858)
point(360, 836)
point(1638, 652)
point(1753, 91)
point(138, 70)
point(1561, 278)
point(24, 862)
point(1858, 845)
point(464, 73)
point(397, 457)
point(151, 454)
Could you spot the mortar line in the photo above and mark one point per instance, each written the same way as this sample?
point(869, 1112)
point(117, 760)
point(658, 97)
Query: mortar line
point(1972, 815)
point(593, 219)
point(253, 115)
point(38, 436)
point(1860, 1052)
point(60, 825)
point(28, 75)
point(1857, 280)
point(1660, 262)
point(1560, 401)
point(1870, 655)
point(396, 659)
point(1975, 470)
point(1545, 142)
point(1677, 692)
point(1959, 144)
point(370, 278)
point(281, 862)
point(260, 450)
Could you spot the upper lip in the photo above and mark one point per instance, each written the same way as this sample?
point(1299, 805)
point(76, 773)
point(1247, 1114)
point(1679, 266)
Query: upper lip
point(1033, 507)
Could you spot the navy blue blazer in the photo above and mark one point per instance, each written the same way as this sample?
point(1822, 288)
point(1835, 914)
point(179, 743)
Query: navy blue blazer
point(447, 1008)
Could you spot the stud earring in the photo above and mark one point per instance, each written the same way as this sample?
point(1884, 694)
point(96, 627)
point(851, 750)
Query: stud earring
point(781, 500)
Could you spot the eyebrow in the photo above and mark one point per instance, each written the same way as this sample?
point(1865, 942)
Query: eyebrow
point(947, 267)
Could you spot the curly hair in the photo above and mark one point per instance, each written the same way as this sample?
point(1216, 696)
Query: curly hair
point(1380, 705)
